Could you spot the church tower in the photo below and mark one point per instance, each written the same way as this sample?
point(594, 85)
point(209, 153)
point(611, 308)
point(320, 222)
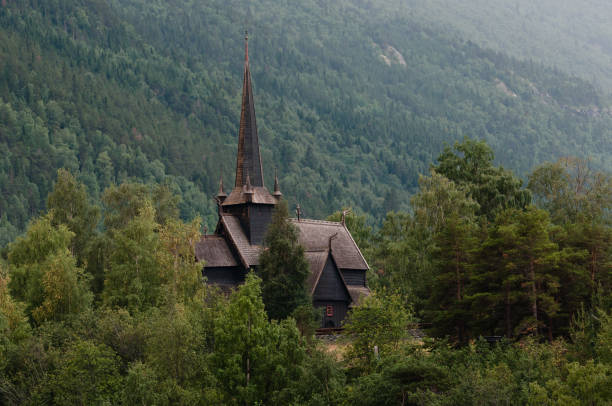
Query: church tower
point(250, 200)
point(337, 278)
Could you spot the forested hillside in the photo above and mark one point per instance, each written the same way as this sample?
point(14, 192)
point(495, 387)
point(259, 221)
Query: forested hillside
point(120, 314)
point(573, 35)
point(353, 101)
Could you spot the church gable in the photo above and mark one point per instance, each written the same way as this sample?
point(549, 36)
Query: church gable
point(330, 286)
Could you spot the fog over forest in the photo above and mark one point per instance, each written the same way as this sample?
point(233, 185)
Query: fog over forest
point(573, 35)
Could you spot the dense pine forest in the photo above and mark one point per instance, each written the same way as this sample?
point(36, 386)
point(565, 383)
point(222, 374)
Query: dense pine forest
point(354, 101)
point(479, 187)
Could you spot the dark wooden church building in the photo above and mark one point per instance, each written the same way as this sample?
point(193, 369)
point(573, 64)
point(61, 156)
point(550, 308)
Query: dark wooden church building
point(337, 278)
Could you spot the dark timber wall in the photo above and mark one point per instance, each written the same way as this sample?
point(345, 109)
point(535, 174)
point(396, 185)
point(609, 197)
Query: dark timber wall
point(330, 291)
point(259, 219)
point(339, 310)
point(225, 276)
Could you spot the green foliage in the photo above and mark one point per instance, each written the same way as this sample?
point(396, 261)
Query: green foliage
point(134, 276)
point(580, 200)
point(178, 260)
point(381, 320)
point(13, 323)
point(572, 191)
point(444, 210)
point(403, 258)
point(87, 373)
point(530, 259)
point(603, 342)
point(160, 337)
point(255, 359)
point(68, 204)
point(44, 274)
point(145, 91)
point(470, 166)
point(400, 380)
point(283, 266)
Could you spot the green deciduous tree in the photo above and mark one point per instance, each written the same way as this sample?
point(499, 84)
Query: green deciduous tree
point(178, 260)
point(88, 373)
point(470, 165)
point(134, 274)
point(580, 199)
point(255, 359)
point(402, 258)
point(44, 273)
point(68, 204)
point(572, 191)
point(381, 320)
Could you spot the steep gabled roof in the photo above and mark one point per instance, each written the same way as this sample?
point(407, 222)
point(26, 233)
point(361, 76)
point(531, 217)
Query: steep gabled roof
point(249, 254)
point(315, 234)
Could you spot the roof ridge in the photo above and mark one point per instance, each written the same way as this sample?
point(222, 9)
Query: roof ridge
point(302, 220)
point(353, 240)
point(231, 238)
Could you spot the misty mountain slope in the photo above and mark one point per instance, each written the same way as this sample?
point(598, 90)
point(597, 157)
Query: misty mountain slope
point(353, 101)
point(573, 35)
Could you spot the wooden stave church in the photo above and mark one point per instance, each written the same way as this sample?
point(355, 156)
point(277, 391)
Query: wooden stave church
point(337, 279)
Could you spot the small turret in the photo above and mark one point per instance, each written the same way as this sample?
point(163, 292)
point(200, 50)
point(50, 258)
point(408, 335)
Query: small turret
point(277, 193)
point(221, 196)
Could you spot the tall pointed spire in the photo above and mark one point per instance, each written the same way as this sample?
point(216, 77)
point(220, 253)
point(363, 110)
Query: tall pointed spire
point(249, 157)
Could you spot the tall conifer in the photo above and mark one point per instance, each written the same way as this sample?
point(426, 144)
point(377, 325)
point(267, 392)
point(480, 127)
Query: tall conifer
point(283, 266)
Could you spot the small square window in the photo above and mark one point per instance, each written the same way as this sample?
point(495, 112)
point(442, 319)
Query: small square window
point(329, 311)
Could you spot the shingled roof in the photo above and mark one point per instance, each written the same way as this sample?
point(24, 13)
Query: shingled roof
point(358, 293)
point(316, 260)
point(315, 234)
point(260, 195)
point(214, 251)
point(249, 254)
point(248, 162)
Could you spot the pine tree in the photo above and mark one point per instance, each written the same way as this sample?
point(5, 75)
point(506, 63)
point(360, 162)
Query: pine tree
point(283, 267)
point(530, 260)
